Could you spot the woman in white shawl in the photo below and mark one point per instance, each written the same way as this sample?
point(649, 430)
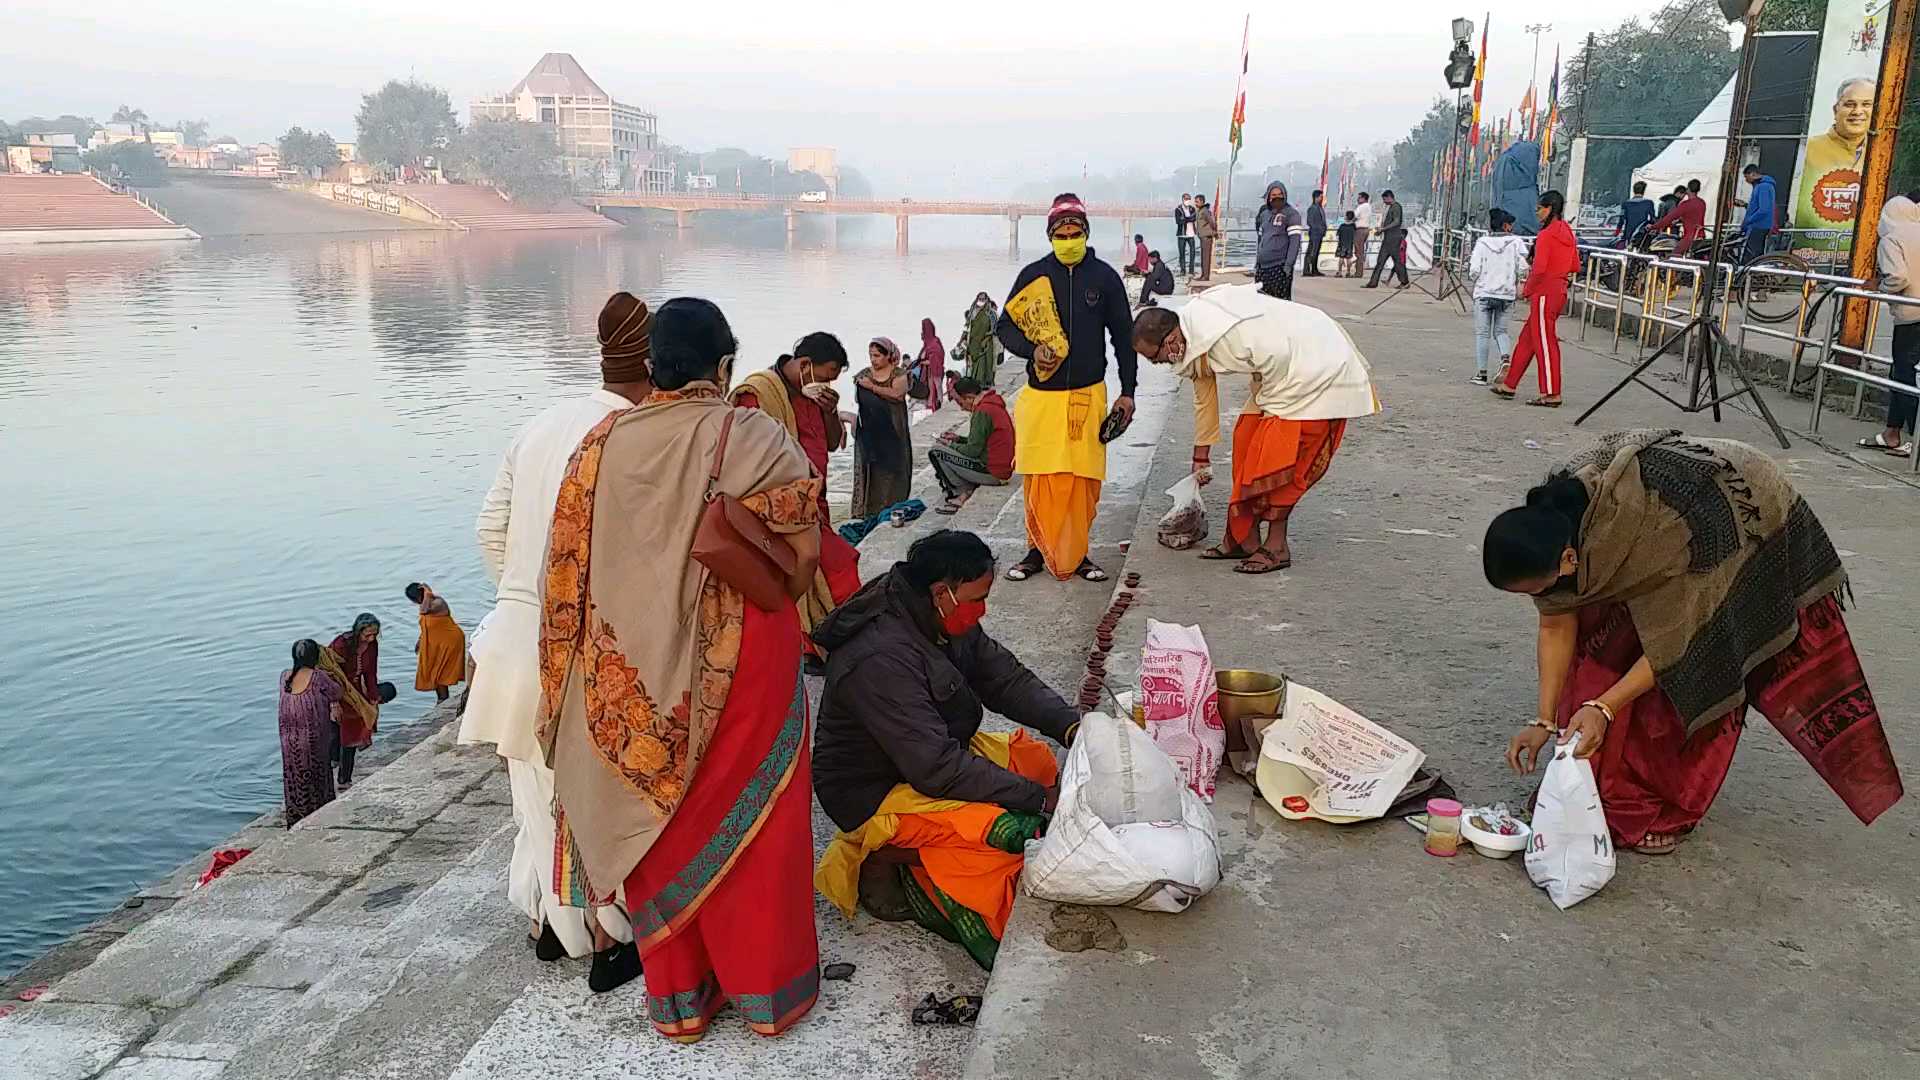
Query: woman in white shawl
point(1308, 380)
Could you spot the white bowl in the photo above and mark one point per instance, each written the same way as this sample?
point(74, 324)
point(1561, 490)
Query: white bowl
point(1492, 844)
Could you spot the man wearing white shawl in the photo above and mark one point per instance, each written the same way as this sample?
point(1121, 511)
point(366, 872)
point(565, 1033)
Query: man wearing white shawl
point(1308, 380)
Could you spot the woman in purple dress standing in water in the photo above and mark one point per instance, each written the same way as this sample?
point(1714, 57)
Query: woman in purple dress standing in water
point(309, 699)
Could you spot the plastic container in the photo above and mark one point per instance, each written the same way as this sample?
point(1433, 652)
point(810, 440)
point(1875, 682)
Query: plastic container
point(1495, 845)
point(1443, 827)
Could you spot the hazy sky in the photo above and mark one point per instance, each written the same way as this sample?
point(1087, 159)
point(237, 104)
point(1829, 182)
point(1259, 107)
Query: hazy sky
point(975, 98)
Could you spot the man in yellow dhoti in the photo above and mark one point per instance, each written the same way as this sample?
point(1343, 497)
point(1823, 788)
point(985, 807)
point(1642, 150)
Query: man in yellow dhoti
point(1059, 308)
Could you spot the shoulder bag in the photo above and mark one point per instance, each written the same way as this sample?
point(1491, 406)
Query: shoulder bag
point(736, 545)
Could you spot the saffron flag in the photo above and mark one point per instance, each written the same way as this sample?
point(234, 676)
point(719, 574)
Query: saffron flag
point(1326, 159)
point(1553, 109)
point(1479, 82)
point(1240, 92)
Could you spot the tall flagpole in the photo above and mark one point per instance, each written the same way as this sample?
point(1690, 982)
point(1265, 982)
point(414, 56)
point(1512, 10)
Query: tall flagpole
point(1234, 131)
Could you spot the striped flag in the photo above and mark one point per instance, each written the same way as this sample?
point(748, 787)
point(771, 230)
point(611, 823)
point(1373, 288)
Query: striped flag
point(1479, 82)
point(1234, 137)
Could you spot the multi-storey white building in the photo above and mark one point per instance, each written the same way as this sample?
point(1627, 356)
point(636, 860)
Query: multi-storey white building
point(604, 144)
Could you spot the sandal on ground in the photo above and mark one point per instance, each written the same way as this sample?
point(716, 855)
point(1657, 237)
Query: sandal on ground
point(1024, 569)
point(1658, 844)
point(1262, 562)
point(1545, 403)
point(1500, 390)
point(1877, 441)
point(1219, 553)
point(1087, 571)
point(947, 508)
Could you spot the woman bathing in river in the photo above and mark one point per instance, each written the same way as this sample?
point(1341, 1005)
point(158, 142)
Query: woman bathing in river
point(1680, 580)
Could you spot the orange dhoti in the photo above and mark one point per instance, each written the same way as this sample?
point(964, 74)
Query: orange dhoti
point(970, 853)
point(1057, 448)
point(1275, 462)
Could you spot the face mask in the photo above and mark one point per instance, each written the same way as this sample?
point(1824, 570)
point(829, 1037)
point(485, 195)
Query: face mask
point(965, 615)
point(1070, 252)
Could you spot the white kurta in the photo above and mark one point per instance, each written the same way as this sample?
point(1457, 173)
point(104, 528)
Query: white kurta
point(1304, 365)
point(504, 701)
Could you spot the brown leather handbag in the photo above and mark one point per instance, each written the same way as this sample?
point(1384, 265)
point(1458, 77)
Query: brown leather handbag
point(737, 546)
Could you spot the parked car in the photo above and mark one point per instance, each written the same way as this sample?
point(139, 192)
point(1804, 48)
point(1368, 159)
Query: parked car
point(813, 196)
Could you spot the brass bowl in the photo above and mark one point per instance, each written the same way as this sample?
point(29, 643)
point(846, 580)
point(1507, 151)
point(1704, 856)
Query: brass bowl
point(1246, 695)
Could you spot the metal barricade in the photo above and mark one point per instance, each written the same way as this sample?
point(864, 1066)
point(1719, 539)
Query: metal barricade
point(1859, 375)
point(1800, 337)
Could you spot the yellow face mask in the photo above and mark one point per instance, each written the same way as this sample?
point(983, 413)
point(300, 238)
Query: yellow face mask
point(1070, 250)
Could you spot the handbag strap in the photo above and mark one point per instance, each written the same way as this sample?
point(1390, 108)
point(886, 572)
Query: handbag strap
point(719, 455)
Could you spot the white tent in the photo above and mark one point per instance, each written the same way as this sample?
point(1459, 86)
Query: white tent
point(1696, 155)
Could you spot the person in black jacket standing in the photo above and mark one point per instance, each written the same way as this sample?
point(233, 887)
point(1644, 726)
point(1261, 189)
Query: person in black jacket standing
point(1316, 234)
point(909, 672)
point(1183, 228)
point(1055, 317)
point(1393, 242)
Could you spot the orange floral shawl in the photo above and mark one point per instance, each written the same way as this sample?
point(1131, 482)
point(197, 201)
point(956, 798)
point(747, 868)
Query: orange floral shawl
point(638, 642)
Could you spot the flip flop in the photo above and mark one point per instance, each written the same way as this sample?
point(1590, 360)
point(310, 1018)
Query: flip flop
point(1543, 403)
point(1500, 390)
point(947, 508)
point(1022, 570)
point(1262, 562)
point(1087, 571)
point(1873, 442)
point(1217, 554)
point(1672, 845)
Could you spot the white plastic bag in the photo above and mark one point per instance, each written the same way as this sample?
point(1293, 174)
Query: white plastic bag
point(1129, 779)
point(1183, 702)
point(1141, 863)
point(1186, 524)
point(1571, 855)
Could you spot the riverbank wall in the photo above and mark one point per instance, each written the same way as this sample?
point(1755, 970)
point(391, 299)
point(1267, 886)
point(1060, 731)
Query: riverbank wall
point(226, 206)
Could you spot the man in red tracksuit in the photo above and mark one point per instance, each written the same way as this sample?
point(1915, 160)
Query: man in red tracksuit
point(1556, 256)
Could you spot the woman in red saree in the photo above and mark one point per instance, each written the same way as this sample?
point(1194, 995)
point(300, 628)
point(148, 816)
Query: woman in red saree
point(681, 772)
point(1679, 581)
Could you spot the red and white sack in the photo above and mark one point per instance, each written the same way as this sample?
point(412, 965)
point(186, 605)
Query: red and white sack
point(1183, 702)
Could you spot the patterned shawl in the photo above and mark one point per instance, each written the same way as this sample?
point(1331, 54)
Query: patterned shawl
point(982, 358)
point(775, 398)
point(638, 642)
point(1712, 552)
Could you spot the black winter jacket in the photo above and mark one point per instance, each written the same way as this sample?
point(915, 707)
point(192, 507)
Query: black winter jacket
point(903, 701)
point(1092, 301)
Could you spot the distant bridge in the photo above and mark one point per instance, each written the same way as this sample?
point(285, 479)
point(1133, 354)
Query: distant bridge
point(685, 205)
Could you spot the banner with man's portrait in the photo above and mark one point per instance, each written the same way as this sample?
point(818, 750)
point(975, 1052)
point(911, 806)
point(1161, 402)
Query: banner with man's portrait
point(1827, 189)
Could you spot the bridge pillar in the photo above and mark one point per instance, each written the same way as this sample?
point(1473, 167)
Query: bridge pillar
point(1013, 236)
point(682, 219)
point(899, 234)
point(1126, 237)
point(790, 217)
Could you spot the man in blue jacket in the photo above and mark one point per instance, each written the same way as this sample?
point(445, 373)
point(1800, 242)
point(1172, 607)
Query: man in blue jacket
point(1635, 215)
point(1760, 218)
point(1076, 301)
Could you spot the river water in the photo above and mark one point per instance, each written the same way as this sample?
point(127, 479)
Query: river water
point(210, 450)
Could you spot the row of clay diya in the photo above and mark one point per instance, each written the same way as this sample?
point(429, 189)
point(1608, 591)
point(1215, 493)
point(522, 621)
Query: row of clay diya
point(1090, 690)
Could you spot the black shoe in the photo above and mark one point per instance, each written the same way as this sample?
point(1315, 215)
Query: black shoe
point(614, 968)
point(548, 947)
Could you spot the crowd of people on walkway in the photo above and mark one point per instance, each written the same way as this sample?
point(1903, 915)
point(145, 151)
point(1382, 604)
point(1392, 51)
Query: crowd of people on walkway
point(666, 575)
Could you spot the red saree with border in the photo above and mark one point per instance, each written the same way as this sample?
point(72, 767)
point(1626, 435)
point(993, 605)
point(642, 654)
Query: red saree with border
point(722, 904)
point(1654, 779)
